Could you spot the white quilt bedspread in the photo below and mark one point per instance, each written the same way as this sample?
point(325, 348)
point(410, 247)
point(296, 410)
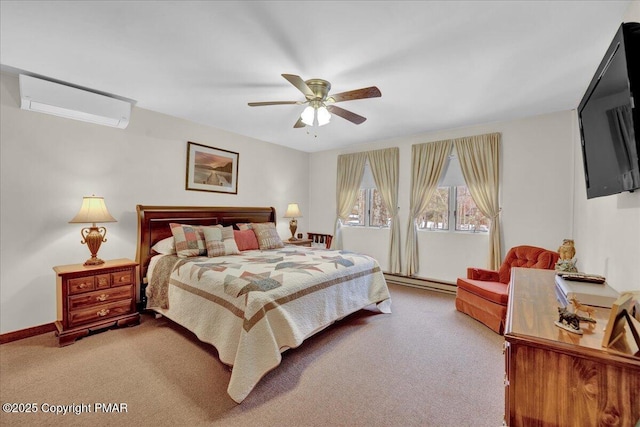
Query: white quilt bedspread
point(256, 305)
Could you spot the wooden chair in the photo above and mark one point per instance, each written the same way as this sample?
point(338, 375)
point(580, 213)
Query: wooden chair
point(320, 238)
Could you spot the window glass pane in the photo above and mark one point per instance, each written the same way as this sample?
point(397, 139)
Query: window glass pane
point(468, 216)
point(437, 215)
point(379, 213)
point(356, 217)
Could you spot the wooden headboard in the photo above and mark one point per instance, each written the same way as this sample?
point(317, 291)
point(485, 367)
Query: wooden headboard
point(153, 225)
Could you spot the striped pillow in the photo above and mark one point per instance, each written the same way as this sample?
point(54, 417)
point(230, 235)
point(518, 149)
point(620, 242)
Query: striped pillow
point(189, 240)
point(268, 237)
point(213, 241)
point(228, 238)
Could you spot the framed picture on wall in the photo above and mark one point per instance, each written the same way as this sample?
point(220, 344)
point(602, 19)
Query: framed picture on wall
point(211, 169)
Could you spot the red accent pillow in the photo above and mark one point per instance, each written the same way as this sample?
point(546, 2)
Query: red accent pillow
point(246, 240)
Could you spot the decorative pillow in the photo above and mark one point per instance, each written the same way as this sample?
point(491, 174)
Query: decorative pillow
point(246, 240)
point(267, 235)
point(189, 240)
point(243, 226)
point(231, 248)
point(213, 241)
point(165, 246)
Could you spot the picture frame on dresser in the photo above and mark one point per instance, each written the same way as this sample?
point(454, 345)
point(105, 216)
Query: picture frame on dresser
point(211, 169)
point(619, 317)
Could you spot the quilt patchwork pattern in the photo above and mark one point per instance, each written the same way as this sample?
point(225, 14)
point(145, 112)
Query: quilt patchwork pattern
point(254, 306)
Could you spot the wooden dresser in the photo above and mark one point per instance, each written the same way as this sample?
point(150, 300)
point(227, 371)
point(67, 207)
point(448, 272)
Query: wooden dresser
point(557, 378)
point(95, 297)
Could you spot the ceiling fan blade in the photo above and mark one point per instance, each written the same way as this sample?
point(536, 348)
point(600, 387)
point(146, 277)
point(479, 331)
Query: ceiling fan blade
point(346, 114)
point(300, 84)
point(299, 123)
point(260, 104)
point(367, 92)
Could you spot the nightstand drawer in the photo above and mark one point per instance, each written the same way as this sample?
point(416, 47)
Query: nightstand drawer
point(99, 312)
point(100, 297)
point(103, 281)
point(121, 278)
point(81, 284)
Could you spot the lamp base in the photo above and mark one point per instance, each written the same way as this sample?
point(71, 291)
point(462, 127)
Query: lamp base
point(93, 261)
point(93, 237)
point(293, 226)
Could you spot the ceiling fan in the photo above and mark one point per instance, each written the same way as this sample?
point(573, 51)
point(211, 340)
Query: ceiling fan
point(316, 92)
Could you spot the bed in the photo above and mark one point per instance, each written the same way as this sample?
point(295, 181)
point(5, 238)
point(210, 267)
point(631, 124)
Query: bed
point(252, 305)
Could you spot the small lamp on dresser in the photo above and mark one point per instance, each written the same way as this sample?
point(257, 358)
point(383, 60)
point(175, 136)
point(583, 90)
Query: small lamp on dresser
point(92, 211)
point(293, 212)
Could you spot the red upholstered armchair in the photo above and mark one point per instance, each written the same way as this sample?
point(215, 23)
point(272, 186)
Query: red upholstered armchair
point(484, 294)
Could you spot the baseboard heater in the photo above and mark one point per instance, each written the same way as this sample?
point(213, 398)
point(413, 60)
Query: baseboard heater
point(418, 282)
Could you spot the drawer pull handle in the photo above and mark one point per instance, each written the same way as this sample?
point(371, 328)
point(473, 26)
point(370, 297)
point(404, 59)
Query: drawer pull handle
point(102, 297)
point(123, 278)
point(103, 312)
point(82, 285)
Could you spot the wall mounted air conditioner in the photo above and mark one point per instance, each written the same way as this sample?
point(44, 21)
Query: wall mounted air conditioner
point(65, 101)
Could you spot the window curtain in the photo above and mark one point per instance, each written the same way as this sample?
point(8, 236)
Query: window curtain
point(480, 163)
point(384, 167)
point(427, 163)
point(350, 169)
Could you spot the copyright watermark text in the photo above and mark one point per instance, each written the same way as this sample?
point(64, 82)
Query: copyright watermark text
point(73, 408)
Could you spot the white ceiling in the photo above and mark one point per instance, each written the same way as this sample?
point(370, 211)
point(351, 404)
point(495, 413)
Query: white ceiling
point(438, 64)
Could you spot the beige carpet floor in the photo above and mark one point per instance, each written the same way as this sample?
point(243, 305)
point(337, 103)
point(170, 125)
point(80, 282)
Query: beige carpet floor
point(423, 365)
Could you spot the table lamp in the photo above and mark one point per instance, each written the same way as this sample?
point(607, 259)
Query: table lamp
point(293, 212)
point(92, 211)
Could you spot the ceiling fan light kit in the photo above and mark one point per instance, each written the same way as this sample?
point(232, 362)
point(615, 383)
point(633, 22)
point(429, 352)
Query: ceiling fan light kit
point(320, 104)
point(315, 114)
point(323, 116)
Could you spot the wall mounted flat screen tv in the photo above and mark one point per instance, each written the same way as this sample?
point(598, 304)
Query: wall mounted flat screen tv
point(609, 118)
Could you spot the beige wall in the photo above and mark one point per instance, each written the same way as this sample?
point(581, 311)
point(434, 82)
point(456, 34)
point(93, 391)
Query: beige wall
point(47, 165)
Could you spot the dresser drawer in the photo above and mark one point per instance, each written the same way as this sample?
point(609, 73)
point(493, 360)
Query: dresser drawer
point(81, 284)
point(121, 278)
point(99, 312)
point(100, 297)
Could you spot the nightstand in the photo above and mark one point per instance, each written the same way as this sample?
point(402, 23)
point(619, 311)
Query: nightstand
point(299, 242)
point(95, 297)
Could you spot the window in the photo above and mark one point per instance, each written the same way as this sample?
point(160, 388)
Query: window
point(437, 215)
point(356, 217)
point(452, 203)
point(369, 209)
point(468, 216)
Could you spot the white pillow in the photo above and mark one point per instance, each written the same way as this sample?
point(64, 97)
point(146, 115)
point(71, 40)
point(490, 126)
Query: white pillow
point(165, 246)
